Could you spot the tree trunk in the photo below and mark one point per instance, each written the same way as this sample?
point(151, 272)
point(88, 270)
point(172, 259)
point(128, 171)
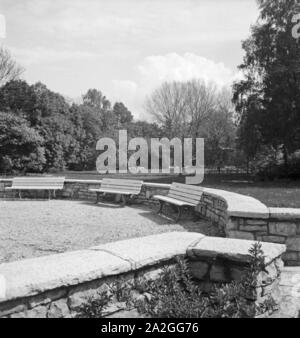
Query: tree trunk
point(286, 161)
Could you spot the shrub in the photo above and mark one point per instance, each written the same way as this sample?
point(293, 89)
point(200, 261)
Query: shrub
point(175, 294)
point(95, 306)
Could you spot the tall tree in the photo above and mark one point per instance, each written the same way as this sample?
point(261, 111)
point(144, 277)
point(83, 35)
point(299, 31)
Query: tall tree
point(9, 69)
point(122, 114)
point(197, 110)
point(268, 98)
point(95, 99)
point(168, 105)
point(21, 147)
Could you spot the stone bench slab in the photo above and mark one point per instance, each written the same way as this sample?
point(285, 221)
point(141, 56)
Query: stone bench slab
point(151, 250)
point(233, 249)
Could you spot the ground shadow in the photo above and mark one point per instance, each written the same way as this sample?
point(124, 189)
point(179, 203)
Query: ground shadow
point(104, 205)
point(168, 217)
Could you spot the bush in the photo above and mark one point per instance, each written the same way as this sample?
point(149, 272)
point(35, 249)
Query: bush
point(175, 294)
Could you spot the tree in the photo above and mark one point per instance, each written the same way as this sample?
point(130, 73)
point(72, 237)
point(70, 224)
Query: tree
point(9, 70)
point(201, 101)
point(18, 97)
point(197, 110)
point(168, 106)
point(95, 99)
point(122, 114)
point(268, 98)
point(21, 147)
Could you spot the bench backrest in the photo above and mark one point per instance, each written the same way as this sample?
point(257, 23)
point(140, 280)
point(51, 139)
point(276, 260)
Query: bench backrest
point(122, 185)
point(186, 193)
point(51, 183)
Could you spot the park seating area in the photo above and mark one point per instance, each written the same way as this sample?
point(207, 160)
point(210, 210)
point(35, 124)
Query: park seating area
point(125, 188)
point(50, 184)
point(181, 196)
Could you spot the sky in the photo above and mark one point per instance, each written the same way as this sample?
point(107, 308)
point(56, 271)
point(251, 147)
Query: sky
point(126, 48)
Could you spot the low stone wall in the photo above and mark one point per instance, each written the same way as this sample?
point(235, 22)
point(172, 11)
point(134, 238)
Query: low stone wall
point(232, 215)
point(59, 285)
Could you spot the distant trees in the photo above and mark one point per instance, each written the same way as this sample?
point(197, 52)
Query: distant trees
point(40, 131)
point(9, 69)
point(267, 99)
point(122, 114)
point(197, 110)
point(21, 147)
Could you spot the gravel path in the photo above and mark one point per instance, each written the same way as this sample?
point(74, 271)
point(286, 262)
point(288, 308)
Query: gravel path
point(37, 228)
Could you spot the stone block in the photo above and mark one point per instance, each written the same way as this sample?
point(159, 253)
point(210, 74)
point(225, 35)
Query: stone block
point(290, 256)
point(240, 235)
point(234, 250)
point(199, 269)
point(151, 250)
point(19, 315)
point(113, 308)
point(47, 297)
point(218, 273)
point(254, 228)
point(232, 224)
point(272, 239)
point(37, 312)
point(282, 228)
point(237, 273)
point(293, 244)
point(81, 294)
point(8, 308)
point(257, 222)
point(30, 277)
point(59, 309)
point(285, 213)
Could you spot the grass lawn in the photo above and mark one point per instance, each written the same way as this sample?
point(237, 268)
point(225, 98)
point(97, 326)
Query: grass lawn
point(272, 194)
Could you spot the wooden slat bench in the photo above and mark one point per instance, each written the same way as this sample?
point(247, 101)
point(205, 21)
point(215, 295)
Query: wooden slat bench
point(180, 195)
point(37, 183)
point(126, 188)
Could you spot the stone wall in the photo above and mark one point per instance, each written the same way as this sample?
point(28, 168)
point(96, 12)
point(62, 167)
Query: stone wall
point(59, 285)
point(232, 215)
point(282, 226)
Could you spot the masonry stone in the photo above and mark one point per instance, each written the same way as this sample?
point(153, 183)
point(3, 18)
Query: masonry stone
point(283, 228)
point(59, 309)
point(293, 244)
point(240, 235)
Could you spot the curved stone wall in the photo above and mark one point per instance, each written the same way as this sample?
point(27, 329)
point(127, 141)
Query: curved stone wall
point(233, 215)
point(57, 286)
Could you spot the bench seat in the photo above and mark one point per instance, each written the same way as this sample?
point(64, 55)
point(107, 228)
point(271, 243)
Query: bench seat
point(125, 188)
point(114, 192)
point(181, 195)
point(37, 183)
point(172, 201)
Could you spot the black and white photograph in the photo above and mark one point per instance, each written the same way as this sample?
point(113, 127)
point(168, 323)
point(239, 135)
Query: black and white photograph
point(149, 162)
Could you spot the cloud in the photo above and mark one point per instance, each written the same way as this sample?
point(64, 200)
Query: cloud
point(42, 56)
point(2, 27)
point(154, 70)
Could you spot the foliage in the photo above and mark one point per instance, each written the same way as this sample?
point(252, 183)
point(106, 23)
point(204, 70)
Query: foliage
point(176, 295)
point(197, 110)
point(69, 133)
point(94, 306)
point(21, 147)
point(267, 98)
point(9, 69)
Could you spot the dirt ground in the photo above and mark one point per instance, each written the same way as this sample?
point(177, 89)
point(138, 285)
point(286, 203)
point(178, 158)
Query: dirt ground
point(36, 228)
